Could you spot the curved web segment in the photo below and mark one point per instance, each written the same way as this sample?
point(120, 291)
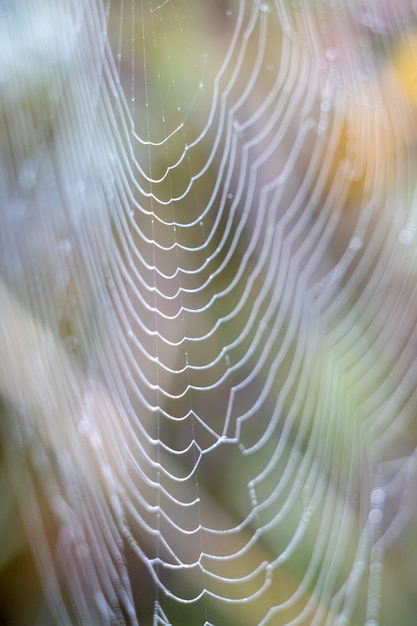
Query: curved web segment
point(208, 287)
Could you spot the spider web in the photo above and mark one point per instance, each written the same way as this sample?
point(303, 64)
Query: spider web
point(208, 293)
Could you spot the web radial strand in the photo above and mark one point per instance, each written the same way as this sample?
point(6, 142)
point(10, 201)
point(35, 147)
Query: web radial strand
point(207, 262)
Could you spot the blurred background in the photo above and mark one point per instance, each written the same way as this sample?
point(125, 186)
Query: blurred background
point(208, 338)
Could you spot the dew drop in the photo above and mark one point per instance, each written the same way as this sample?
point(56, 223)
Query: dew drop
point(27, 177)
point(375, 516)
point(332, 54)
point(237, 127)
point(355, 243)
point(325, 105)
point(378, 496)
point(265, 8)
point(406, 236)
point(65, 246)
